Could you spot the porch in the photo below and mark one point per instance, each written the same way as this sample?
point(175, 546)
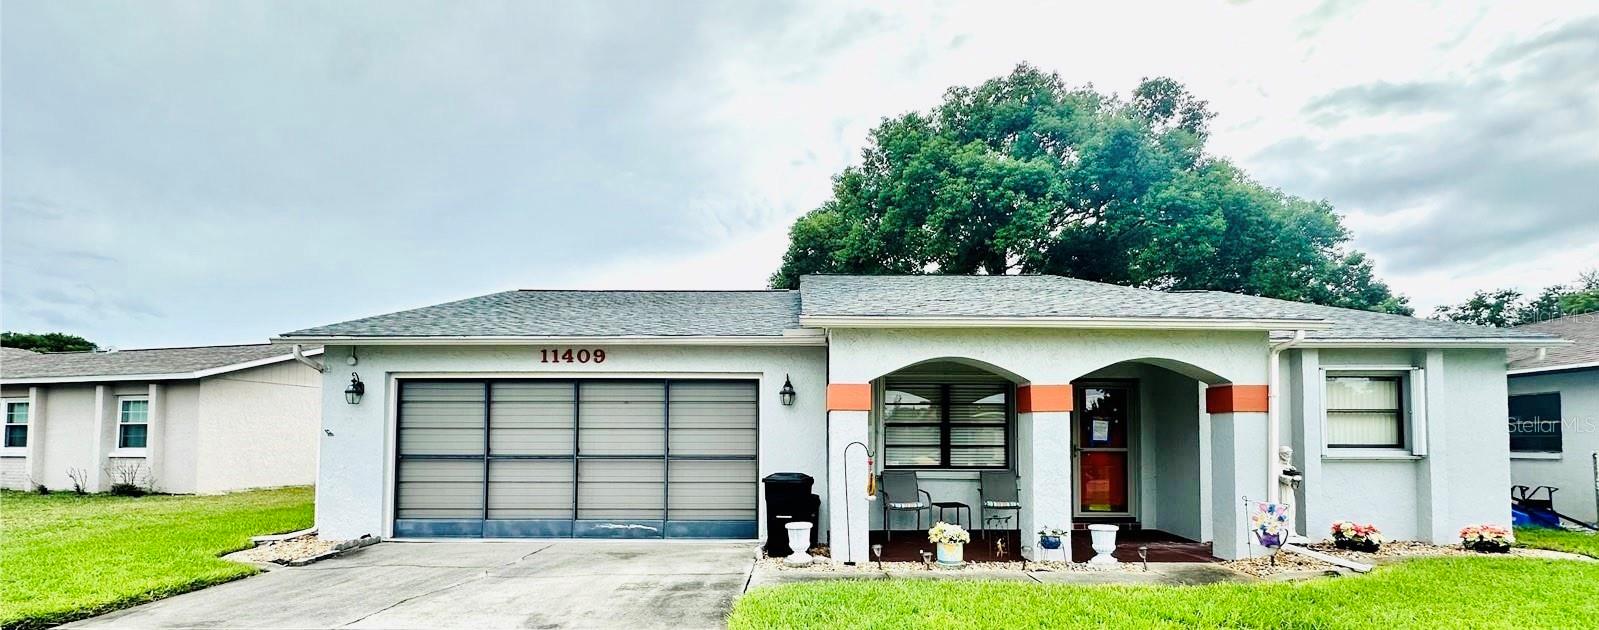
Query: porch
point(907, 546)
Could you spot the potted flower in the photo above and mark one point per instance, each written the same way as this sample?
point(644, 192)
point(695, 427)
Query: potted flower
point(950, 540)
point(1049, 542)
point(1354, 536)
point(1485, 538)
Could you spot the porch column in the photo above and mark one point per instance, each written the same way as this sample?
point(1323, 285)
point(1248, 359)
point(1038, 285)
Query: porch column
point(1044, 463)
point(1238, 454)
point(849, 513)
point(1433, 524)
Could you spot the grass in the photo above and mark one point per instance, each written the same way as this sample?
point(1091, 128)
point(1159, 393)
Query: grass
point(1452, 592)
point(1585, 543)
point(66, 557)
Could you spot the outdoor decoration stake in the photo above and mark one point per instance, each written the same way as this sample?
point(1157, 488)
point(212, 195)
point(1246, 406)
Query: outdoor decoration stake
point(1143, 555)
point(877, 550)
point(927, 559)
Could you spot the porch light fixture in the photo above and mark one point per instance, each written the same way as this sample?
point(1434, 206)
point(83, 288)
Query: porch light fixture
point(353, 393)
point(786, 395)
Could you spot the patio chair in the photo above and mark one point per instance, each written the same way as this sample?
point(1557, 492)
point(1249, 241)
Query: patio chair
point(901, 493)
point(996, 491)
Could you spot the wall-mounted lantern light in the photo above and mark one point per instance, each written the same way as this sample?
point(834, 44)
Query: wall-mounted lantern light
point(353, 393)
point(787, 393)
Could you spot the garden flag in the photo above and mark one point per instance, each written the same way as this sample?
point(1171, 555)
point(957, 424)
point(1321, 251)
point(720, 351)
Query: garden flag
point(1269, 522)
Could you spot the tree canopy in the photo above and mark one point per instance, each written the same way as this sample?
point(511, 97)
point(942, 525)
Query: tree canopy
point(1505, 307)
point(1024, 174)
point(46, 342)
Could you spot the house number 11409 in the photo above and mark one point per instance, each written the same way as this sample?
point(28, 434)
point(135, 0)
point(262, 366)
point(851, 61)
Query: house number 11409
point(568, 355)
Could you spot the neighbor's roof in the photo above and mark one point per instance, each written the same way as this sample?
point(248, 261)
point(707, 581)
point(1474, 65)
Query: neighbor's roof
point(838, 301)
point(1582, 330)
point(149, 364)
point(829, 297)
point(8, 353)
point(531, 313)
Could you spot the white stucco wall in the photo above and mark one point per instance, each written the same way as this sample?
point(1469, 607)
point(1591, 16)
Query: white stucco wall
point(1572, 470)
point(1462, 478)
point(69, 411)
point(354, 488)
point(259, 428)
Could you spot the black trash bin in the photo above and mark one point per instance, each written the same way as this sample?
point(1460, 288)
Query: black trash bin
point(789, 500)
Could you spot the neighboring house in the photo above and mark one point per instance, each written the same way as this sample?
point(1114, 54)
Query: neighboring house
point(1554, 414)
point(656, 413)
point(205, 419)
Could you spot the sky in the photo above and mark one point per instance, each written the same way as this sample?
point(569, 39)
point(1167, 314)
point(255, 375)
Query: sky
point(184, 173)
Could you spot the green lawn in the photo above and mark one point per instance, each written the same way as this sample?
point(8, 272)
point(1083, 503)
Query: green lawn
point(1453, 592)
point(65, 557)
point(1585, 543)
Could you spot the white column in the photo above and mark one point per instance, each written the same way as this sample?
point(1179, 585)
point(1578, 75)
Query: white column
point(103, 403)
point(1432, 519)
point(155, 443)
point(35, 452)
point(1044, 470)
point(1313, 515)
point(849, 513)
point(1238, 469)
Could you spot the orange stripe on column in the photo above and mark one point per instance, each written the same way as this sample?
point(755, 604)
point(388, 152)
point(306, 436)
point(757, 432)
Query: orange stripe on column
point(1041, 398)
point(849, 397)
point(1236, 399)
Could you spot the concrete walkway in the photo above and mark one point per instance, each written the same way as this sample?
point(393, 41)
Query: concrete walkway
point(1167, 573)
point(477, 584)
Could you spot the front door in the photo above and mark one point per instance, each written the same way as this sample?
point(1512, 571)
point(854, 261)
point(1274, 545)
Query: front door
point(1103, 448)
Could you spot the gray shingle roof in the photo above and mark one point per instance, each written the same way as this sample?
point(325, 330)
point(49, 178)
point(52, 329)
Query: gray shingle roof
point(8, 353)
point(585, 313)
point(1582, 330)
point(132, 362)
point(1058, 296)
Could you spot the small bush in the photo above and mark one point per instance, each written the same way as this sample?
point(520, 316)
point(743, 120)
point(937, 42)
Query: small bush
point(128, 490)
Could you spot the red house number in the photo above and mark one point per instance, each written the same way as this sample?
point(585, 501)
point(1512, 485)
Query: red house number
point(568, 355)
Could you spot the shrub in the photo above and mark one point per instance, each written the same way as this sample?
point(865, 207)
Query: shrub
point(1485, 538)
point(1356, 537)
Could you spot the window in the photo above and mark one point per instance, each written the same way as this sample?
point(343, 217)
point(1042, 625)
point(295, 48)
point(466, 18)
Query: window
point(956, 426)
point(1365, 411)
point(16, 424)
point(1535, 423)
point(133, 423)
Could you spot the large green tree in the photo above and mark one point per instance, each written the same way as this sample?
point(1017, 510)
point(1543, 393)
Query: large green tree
point(1024, 174)
point(46, 342)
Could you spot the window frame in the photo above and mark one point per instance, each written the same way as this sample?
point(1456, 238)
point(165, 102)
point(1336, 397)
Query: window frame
point(122, 402)
point(6, 424)
point(1412, 412)
point(945, 426)
point(1559, 423)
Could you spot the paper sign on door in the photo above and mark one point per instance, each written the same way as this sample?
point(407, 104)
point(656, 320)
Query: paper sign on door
point(1101, 431)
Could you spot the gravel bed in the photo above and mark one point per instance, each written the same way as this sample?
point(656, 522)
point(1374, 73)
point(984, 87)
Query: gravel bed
point(290, 550)
point(1393, 551)
point(823, 564)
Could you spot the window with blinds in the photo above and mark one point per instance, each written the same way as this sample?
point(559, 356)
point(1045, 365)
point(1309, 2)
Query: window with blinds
point(946, 425)
point(1365, 412)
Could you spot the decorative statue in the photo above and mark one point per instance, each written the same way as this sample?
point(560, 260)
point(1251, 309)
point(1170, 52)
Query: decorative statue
point(1288, 480)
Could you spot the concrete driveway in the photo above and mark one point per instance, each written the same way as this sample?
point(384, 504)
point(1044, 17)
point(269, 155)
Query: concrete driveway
point(479, 585)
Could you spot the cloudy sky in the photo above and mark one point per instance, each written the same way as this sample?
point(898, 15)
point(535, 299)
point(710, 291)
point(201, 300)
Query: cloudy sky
point(209, 172)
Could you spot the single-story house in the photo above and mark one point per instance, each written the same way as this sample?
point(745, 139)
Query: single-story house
point(181, 420)
point(656, 413)
point(1554, 415)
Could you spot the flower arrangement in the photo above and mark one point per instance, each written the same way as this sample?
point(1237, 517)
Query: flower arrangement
point(948, 534)
point(1270, 524)
point(1356, 537)
point(1485, 538)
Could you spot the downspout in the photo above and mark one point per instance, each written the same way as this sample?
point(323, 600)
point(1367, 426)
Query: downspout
point(1273, 431)
point(300, 356)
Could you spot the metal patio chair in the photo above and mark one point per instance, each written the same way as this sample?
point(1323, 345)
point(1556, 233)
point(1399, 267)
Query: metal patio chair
point(996, 491)
point(902, 493)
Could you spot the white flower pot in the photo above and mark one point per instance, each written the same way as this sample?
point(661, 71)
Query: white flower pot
point(951, 554)
point(799, 539)
point(1103, 540)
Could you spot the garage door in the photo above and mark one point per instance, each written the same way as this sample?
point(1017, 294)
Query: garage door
point(591, 458)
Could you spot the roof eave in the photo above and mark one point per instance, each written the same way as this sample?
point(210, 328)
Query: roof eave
point(1567, 367)
point(788, 338)
point(1103, 323)
point(1433, 342)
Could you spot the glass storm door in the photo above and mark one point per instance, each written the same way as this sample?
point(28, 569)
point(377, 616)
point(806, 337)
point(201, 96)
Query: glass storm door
point(1102, 449)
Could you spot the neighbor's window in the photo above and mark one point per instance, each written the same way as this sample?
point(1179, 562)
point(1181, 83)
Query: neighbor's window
point(961, 426)
point(16, 424)
point(133, 423)
point(1365, 412)
point(1535, 423)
